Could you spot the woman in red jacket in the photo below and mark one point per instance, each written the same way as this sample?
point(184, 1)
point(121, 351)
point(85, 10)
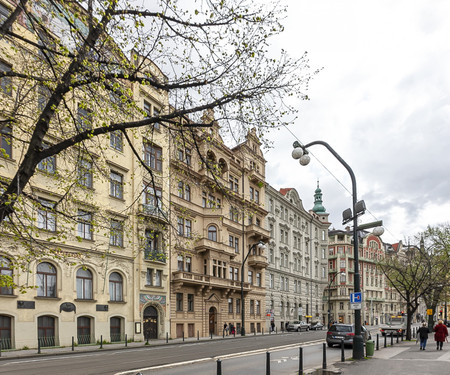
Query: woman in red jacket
point(440, 333)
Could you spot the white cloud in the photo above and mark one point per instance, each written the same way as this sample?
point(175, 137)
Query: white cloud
point(381, 102)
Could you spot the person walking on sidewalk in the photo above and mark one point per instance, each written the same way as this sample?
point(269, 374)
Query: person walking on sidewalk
point(423, 335)
point(440, 333)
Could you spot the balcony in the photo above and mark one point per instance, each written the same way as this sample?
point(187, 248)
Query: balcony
point(155, 256)
point(154, 212)
point(257, 261)
point(204, 245)
point(200, 280)
point(259, 233)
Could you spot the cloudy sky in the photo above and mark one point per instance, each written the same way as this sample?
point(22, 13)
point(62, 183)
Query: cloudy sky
point(381, 101)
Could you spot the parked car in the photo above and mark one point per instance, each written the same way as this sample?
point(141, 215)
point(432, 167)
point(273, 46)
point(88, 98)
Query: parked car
point(298, 326)
point(317, 326)
point(339, 331)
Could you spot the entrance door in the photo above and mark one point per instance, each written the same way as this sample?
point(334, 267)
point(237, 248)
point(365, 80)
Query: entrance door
point(5, 332)
point(83, 330)
point(46, 331)
point(150, 323)
point(212, 320)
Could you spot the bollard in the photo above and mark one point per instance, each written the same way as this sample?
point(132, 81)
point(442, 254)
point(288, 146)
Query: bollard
point(211, 335)
point(397, 337)
point(183, 336)
point(101, 342)
point(268, 363)
point(198, 335)
point(146, 343)
point(378, 342)
point(402, 336)
point(39, 346)
point(392, 339)
point(167, 337)
point(73, 343)
point(385, 337)
point(300, 361)
point(126, 340)
point(342, 351)
point(234, 332)
point(219, 367)
point(223, 334)
point(276, 330)
point(254, 332)
point(262, 334)
point(324, 361)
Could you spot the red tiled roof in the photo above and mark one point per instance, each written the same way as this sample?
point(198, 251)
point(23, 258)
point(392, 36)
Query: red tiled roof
point(284, 191)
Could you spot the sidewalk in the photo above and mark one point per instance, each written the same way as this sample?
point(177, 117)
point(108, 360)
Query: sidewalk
point(403, 358)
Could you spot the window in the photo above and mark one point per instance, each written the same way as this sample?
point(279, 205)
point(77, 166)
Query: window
point(158, 278)
point(271, 281)
point(152, 247)
point(116, 234)
point(256, 196)
point(258, 307)
point(258, 279)
point(85, 177)
point(188, 228)
point(48, 164)
point(4, 14)
point(84, 229)
point(115, 287)
point(115, 140)
point(46, 216)
point(46, 280)
point(46, 331)
point(252, 193)
point(84, 118)
point(116, 185)
point(5, 82)
point(238, 306)
point(188, 264)
point(153, 156)
point(7, 273)
point(5, 142)
point(234, 184)
point(250, 277)
point(234, 214)
point(252, 307)
point(84, 284)
point(187, 192)
point(212, 233)
point(180, 226)
point(230, 305)
point(190, 301)
point(149, 276)
point(151, 198)
point(179, 305)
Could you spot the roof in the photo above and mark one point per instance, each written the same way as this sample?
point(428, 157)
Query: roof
point(284, 191)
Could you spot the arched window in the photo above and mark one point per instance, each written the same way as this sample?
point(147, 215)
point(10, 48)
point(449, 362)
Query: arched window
point(115, 287)
point(46, 280)
point(46, 331)
point(6, 271)
point(212, 233)
point(187, 192)
point(84, 284)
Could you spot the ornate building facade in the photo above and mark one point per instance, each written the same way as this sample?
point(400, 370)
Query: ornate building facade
point(218, 203)
point(297, 272)
point(379, 300)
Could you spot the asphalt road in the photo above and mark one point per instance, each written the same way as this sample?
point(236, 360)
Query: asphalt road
point(113, 362)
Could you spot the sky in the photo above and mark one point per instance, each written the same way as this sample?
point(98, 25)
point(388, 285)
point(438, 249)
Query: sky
point(382, 103)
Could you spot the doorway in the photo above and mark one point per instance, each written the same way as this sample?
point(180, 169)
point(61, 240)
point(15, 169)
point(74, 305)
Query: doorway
point(150, 323)
point(212, 320)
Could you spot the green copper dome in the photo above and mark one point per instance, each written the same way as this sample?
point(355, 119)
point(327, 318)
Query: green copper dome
point(318, 207)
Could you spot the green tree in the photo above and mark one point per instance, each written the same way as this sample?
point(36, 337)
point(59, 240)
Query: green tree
point(211, 56)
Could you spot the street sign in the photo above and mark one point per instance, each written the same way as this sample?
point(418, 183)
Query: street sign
point(429, 311)
point(355, 306)
point(356, 297)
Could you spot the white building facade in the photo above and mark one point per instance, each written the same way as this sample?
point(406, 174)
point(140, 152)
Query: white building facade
point(297, 254)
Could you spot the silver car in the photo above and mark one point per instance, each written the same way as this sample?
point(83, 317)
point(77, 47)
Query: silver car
point(340, 331)
point(298, 326)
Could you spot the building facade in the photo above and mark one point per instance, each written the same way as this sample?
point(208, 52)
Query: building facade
point(379, 299)
point(92, 259)
point(218, 204)
point(297, 272)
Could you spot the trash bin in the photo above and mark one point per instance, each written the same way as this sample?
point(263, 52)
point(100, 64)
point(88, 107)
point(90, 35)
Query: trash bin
point(370, 346)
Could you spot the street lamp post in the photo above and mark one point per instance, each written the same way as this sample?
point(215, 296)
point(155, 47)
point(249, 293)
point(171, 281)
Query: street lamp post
point(329, 296)
point(262, 246)
point(300, 152)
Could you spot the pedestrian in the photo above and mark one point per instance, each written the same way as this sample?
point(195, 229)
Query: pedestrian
point(225, 328)
point(440, 333)
point(423, 335)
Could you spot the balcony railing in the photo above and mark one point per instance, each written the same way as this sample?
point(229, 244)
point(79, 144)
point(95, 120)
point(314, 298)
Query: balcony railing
point(155, 255)
point(207, 280)
point(153, 211)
